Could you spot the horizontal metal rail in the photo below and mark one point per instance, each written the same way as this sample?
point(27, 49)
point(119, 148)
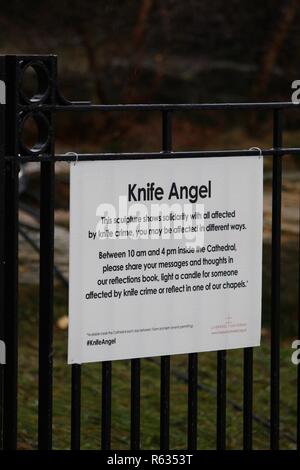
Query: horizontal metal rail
point(73, 156)
point(78, 106)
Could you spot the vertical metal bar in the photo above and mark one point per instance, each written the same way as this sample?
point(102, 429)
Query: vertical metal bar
point(165, 360)
point(298, 365)
point(75, 407)
point(106, 405)
point(11, 261)
point(1, 404)
point(167, 131)
point(248, 398)
point(46, 306)
point(11, 306)
point(135, 404)
point(47, 176)
point(275, 280)
point(221, 400)
point(192, 401)
point(2, 225)
point(165, 403)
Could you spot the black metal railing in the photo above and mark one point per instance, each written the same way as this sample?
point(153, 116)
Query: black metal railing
point(42, 108)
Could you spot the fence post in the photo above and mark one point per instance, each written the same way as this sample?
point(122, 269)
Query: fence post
point(2, 221)
point(11, 258)
point(275, 281)
point(20, 107)
point(47, 191)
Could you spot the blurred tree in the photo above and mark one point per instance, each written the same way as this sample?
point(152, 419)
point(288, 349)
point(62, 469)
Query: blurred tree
point(120, 51)
point(138, 37)
point(274, 45)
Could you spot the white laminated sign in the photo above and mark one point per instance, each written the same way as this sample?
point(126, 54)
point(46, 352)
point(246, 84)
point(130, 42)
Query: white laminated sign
point(165, 257)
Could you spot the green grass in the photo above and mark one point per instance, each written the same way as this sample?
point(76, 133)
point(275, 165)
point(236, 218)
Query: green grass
point(150, 383)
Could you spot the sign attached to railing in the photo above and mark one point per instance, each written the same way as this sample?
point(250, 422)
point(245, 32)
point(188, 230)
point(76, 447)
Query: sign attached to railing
point(165, 257)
